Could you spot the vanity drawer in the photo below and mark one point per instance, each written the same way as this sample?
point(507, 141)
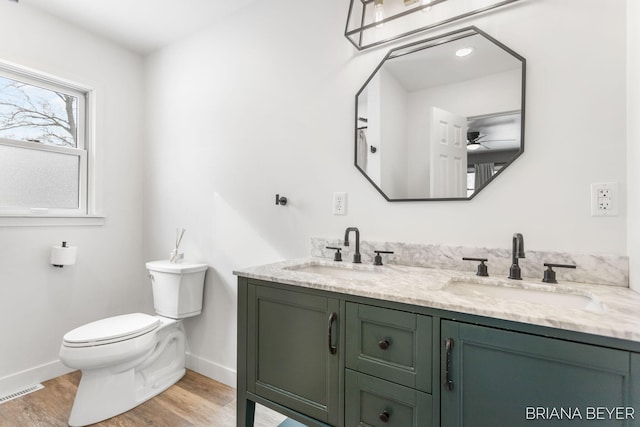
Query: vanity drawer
point(390, 344)
point(372, 402)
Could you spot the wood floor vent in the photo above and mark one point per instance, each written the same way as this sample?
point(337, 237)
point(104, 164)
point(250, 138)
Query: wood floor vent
point(20, 393)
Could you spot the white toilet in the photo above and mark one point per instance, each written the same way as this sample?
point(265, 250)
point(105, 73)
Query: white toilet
point(126, 360)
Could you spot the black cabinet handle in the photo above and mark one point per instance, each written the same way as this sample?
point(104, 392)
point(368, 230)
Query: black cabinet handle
point(332, 348)
point(384, 344)
point(384, 416)
point(448, 382)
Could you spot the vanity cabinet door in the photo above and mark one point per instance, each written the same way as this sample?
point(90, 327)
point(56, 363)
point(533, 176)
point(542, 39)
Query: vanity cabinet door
point(372, 402)
point(292, 351)
point(493, 377)
point(390, 344)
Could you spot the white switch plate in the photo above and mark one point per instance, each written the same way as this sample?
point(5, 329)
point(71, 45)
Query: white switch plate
point(340, 203)
point(604, 199)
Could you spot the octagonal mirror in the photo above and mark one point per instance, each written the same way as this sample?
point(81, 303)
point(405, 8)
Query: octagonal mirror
point(441, 118)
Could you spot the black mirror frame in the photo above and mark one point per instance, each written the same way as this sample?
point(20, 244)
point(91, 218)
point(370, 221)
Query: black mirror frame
point(432, 42)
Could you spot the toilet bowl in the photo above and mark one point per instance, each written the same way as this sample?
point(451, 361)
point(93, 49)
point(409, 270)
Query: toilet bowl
point(127, 359)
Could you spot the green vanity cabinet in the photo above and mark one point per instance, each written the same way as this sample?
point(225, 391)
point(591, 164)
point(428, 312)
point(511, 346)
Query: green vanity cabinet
point(493, 377)
point(292, 351)
point(329, 359)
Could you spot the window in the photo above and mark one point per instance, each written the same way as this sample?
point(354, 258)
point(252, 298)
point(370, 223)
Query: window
point(43, 145)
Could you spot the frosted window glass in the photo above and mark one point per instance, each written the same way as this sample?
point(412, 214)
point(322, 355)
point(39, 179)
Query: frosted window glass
point(38, 179)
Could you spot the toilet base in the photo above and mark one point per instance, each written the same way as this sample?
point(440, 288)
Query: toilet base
point(107, 392)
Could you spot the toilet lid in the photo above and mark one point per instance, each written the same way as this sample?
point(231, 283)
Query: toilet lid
point(166, 266)
point(112, 329)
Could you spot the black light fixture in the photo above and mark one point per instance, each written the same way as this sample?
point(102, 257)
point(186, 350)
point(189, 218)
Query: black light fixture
point(473, 146)
point(374, 22)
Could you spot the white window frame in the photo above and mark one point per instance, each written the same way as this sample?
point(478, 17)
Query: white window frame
point(84, 150)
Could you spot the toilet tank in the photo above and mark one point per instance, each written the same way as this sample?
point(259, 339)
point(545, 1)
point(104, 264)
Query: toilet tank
point(177, 288)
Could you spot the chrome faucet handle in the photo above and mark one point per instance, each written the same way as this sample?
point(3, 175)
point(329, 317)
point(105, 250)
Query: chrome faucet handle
point(482, 268)
point(550, 275)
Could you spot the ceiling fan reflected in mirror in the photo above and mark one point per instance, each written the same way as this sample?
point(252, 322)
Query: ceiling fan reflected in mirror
point(474, 137)
point(473, 141)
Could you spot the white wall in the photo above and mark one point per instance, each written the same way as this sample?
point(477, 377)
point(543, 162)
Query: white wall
point(264, 104)
point(374, 129)
point(633, 141)
point(40, 303)
point(419, 158)
point(495, 93)
point(393, 136)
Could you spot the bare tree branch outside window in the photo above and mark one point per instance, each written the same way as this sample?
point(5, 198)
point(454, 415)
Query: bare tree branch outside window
point(31, 113)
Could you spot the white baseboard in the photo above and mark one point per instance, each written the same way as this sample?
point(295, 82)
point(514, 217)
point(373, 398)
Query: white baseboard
point(213, 370)
point(19, 380)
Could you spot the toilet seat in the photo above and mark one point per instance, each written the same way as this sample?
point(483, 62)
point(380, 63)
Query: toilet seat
point(111, 330)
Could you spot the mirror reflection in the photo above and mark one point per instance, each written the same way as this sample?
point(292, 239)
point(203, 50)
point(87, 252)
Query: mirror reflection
point(441, 118)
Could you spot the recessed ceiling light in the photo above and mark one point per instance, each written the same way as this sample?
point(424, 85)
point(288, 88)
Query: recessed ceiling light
point(464, 51)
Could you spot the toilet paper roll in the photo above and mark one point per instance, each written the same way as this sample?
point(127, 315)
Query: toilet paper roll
point(61, 255)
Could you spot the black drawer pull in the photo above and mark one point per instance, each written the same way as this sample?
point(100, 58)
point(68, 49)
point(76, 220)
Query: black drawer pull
point(448, 382)
point(384, 344)
point(332, 348)
point(384, 416)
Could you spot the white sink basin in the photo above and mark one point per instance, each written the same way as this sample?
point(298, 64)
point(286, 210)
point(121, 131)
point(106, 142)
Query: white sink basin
point(525, 292)
point(344, 271)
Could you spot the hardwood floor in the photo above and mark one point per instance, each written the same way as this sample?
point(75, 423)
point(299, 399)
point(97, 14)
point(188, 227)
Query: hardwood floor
point(195, 401)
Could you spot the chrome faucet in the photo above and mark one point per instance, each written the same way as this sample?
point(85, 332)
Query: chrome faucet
point(356, 255)
point(517, 251)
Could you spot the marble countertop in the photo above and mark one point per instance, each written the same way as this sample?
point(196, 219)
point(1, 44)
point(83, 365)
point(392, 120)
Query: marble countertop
point(613, 312)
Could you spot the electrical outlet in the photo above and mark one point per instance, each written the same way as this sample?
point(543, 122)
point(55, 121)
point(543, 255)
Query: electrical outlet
point(339, 203)
point(604, 199)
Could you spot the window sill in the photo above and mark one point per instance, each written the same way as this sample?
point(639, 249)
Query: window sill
point(50, 221)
